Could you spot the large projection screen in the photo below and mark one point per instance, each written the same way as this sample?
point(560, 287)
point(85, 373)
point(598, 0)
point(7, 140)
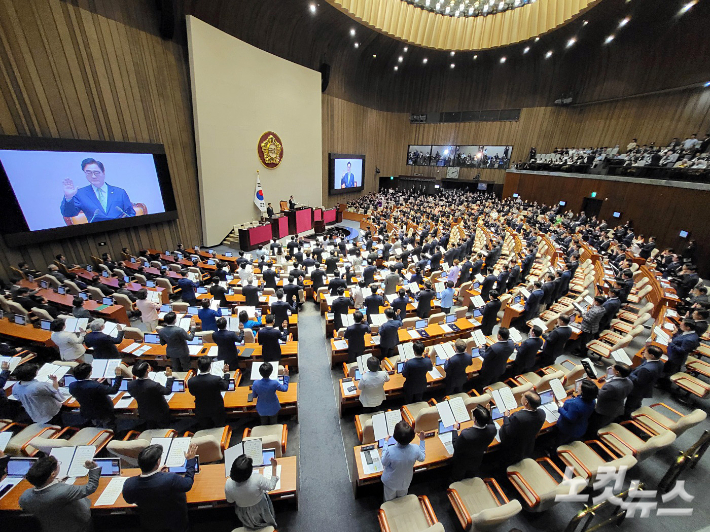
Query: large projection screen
point(238, 93)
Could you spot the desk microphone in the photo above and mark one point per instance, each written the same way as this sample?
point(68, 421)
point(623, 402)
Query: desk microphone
point(125, 214)
point(94, 216)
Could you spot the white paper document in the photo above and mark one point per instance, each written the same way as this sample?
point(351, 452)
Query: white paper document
point(71, 459)
point(111, 492)
point(446, 440)
point(434, 373)
point(9, 481)
point(340, 344)
point(375, 465)
point(478, 338)
point(504, 399)
point(4, 439)
point(620, 356)
point(255, 375)
point(13, 361)
point(131, 348)
point(558, 389)
point(453, 411)
point(174, 450)
point(266, 473)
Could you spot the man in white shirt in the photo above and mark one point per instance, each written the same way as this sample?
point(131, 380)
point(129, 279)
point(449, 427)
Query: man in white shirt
point(691, 143)
point(372, 385)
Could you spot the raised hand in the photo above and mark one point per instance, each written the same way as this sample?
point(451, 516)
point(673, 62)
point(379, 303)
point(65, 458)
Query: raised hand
point(191, 452)
point(90, 464)
point(69, 189)
point(168, 371)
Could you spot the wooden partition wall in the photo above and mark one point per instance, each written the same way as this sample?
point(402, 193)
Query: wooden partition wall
point(655, 209)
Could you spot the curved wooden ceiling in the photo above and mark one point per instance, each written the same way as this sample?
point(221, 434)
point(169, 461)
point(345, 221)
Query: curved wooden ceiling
point(419, 27)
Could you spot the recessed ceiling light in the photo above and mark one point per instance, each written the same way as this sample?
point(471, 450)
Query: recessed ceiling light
point(452, 65)
point(537, 39)
point(475, 57)
point(374, 55)
point(312, 7)
point(400, 59)
point(406, 48)
point(396, 67)
point(453, 53)
point(425, 60)
point(608, 39)
point(571, 42)
point(357, 45)
point(548, 54)
point(585, 23)
point(527, 49)
point(502, 59)
point(624, 22)
point(352, 31)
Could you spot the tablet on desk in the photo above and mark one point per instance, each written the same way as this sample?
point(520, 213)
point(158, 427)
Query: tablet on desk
point(443, 429)
point(18, 467)
point(107, 301)
point(202, 290)
point(400, 367)
point(150, 284)
point(451, 318)
point(166, 308)
point(61, 290)
point(495, 413)
point(110, 467)
point(104, 273)
point(44, 284)
point(357, 375)
point(192, 311)
point(20, 320)
point(420, 324)
point(183, 468)
point(546, 397)
point(151, 338)
point(232, 385)
point(84, 296)
point(477, 313)
point(246, 353)
point(178, 386)
point(68, 379)
point(45, 325)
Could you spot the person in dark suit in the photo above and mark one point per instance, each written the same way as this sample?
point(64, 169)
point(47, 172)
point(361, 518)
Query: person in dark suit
point(331, 263)
point(610, 402)
point(514, 276)
point(368, 273)
point(425, 298)
point(502, 281)
point(477, 265)
point(519, 430)
point(389, 334)
point(269, 276)
point(219, 292)
point(415, 371)
point(160, 496)
point(373, 302)
point(176, 339)
point(280, 308)
point(685, 340)
point(207, 390)
point(465, 275)
point(291, 291)
point(187, 290)
point(340, 305)
point(527, 352)
point(251, 293)
point(317, 278)
point(95, 405)
point(495, 359)
point(98, 200)
point(487, 286)
point(103, 345)
point(555, 341)
point(575, 413)
point(337, 281)
point(471, 444)
point(548, 289)
point(399, 304)
point(489, 314)
point(269, 338)
point(644, 378)
point(455, 368)
point(625, 284)
point(355, 335)
point(291, 204)
point(150, 396)
point(611, 308)
point(226, 343)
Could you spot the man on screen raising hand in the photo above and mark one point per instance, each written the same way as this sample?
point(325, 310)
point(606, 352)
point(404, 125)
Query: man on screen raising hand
point(348, 179)
point(98, 201)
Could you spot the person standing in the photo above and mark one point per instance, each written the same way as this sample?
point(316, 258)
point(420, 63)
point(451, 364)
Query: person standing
point(264, 390)
point(208, 317)
point(398, 461)
point(575, 413)
point(227, 343)
point(489, 314)
point(644, 378)
point(70, 344)
point(471, 444)
point(153, 409)
point(269, 339)
point(176, 339)
point(495, 359)
point(455, 368)
point(611, 398)
point(389, 334)
point(59, 507)
point(249, 492)
point(527, 352)
point(519, 430)
point(590, 324)
point(355, 335)
point(103, 345)
point(415, 371)
point(447, 297)
point(41, 400)
point(424, 299)
point(207, 390)
point(372, 385)
point(148, 309)
point(160, 496)
point(95, 405)
point(555, 341)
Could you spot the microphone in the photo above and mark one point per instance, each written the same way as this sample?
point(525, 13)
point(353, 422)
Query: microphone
point(94, 216)
point(125, 214)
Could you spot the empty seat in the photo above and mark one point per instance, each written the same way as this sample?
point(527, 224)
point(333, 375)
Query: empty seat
point(133, 443)
point(211, 443)
point(625, 442)
point(656, 418)
point(408, 514)
point(272, 437)
point(537, 486)
point(481, 504)
point(586, 462)
point(19, 444)
point(95, 436)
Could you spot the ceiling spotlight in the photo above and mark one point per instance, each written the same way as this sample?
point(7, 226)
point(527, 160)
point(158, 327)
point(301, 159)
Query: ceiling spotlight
point(396, 67)
point(475, 57)
point(502, 59)
point(624, 22)
point(571, 42)
point(452, 65)
point(537, 39)
point(400, 59)
point(425, 60)
point(608, 39)
point(357, 45)
point(687, 6)
point(453, 53)
point(584, 23)
point(406, 48)
point(352, 32)
point(312, 7)
point(548, 54)
point(374, 55)
point(527, 49)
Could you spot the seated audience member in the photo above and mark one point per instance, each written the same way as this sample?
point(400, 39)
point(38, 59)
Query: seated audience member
point(42, 401)
point(264, 390)
point(471, 444)
point(249, 492)
point(398, 461)
point(103, 345)
point(95, 405)
point(70, 344)
point(575, 413)
point(160, 496)
point(372, 385)
point(519, 430)
point(78, 311)
point(153, 409)
point(59, 506)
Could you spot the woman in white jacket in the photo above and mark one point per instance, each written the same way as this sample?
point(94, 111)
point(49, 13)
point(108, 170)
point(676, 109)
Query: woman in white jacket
point(70, 344)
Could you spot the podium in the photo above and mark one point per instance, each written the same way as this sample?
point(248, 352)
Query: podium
point(300, 220)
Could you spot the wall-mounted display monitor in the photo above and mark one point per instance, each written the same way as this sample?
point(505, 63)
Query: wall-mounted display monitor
point(346, 173)
point(52, 188)
point(463, 156)
point(616, 214)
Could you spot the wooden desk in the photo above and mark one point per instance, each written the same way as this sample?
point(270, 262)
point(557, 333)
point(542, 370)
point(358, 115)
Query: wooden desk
point(26, 333)
point(207, 490)
point(112, 282)
point(112, 313)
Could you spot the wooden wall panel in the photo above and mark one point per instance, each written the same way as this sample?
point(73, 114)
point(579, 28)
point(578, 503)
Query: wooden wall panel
point(659, 210)
point(98, 71)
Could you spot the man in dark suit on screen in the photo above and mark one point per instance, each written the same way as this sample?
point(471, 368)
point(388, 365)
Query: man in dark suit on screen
point(98, 201)
point(348, 179)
